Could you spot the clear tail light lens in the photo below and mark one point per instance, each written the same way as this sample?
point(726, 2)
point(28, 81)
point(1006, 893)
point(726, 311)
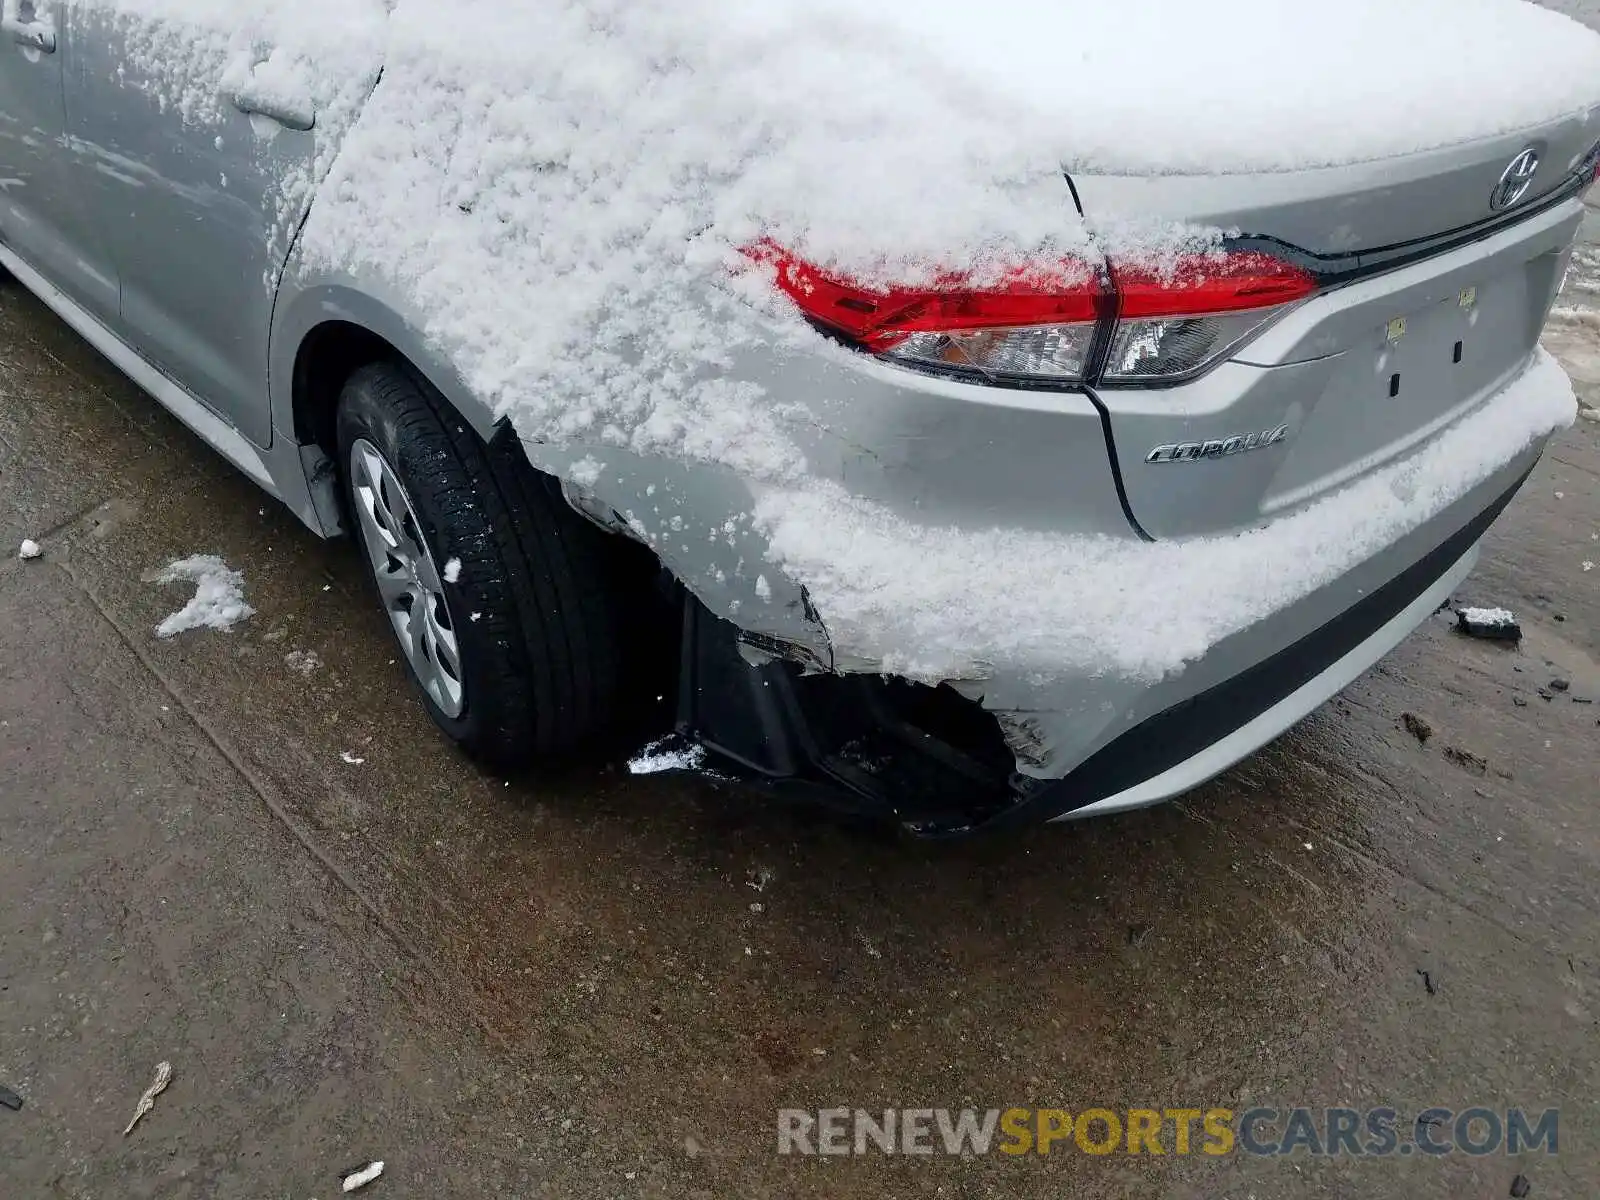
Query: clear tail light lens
point(1177, 322)
point(1042, 352)
point(1044, 325)
point(1175, 348)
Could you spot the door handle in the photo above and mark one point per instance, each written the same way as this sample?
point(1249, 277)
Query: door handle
point(35, 35)
point(289, 113)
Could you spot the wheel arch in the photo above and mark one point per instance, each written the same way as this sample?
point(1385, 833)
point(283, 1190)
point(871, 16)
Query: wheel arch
point(322, 319)
point(321, 336)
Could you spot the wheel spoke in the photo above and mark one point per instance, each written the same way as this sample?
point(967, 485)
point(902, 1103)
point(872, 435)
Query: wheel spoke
point(380, 542)
point(393, 585)
point(444, 643)
point(427, 667)
point(421, 560)
point(438, 659)
point(403, 616)
point(407, 578)
point(383, 486)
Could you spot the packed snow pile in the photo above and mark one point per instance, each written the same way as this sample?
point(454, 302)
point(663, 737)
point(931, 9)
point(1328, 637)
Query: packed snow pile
point(1491, 624)
point(218, 601)
point(1488, 616)
point(303, 662)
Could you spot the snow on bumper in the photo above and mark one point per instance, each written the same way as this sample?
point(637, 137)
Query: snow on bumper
point(946, 603)
point(1071, 639)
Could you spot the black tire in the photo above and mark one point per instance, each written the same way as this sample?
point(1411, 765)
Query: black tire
point(541, 665)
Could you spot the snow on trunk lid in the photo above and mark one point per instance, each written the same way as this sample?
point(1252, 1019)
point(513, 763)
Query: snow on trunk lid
point(1358, 215)
point(1155, 87)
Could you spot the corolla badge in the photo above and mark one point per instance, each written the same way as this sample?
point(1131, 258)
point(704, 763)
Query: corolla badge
point(1516, 180)
point(1220, 448)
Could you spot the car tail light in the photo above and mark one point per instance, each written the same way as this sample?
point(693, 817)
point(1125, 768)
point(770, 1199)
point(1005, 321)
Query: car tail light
point(1174, 324)
point(1043, 325)
point(1037, 324)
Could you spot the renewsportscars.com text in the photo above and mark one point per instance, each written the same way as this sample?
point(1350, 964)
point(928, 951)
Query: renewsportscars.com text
point(1374, 1132)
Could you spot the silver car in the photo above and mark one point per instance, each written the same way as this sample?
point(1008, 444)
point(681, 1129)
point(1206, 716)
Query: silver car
point(1352, 316)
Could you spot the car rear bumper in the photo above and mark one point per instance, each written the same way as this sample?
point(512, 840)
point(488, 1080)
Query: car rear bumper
point(946, 765)
point(1198, 738)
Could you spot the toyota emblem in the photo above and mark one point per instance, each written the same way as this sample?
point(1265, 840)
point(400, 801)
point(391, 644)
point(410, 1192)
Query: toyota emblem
point(1516, 180)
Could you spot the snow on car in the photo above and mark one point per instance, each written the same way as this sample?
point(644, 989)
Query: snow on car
point(1036, 414)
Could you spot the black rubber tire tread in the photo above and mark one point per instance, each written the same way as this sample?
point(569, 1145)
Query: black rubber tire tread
point(542, 665)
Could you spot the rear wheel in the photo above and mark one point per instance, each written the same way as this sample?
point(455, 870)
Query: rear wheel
point(498, 594)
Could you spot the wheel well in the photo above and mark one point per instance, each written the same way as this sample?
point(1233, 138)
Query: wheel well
point(330, 354)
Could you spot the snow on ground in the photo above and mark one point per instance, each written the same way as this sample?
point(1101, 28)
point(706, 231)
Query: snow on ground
point(303, 662)
point(1571, 333)
point(1582, 289)
point(668, 754)
point(218, 601)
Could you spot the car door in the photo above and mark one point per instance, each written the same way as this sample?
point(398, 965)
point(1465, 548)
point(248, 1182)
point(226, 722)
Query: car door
point(205, 162)
point(41, 219)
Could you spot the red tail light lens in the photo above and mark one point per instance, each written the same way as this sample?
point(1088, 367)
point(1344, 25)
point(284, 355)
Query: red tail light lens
point(881, 318)
point(1208, 284)
point(1041, 325)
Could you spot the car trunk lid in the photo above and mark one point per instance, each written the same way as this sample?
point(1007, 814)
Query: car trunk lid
point(1437, 283)
point(1370, 209)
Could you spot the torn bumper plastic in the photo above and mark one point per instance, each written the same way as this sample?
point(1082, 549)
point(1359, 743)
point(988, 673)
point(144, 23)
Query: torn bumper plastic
point(1010, 751)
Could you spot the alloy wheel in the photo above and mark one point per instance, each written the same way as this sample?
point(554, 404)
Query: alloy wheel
point(408, 579)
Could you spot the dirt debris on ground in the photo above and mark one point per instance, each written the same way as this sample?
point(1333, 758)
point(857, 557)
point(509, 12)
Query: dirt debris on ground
point(1417, 727)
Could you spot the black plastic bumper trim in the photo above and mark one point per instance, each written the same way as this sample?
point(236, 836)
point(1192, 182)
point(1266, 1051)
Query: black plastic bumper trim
point(1177, 734)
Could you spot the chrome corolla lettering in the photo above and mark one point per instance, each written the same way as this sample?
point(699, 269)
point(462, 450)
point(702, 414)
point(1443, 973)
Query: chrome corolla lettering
point(1222, 448)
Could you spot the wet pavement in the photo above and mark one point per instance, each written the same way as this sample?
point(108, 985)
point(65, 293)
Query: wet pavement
point(589, 984)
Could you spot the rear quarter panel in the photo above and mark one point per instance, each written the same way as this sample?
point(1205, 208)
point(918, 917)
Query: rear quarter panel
point(707, 548)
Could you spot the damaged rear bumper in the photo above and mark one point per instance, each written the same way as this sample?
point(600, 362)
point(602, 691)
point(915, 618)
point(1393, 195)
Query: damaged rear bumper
point(1011, 751)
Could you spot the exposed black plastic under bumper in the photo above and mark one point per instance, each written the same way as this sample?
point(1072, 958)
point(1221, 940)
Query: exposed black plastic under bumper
point(936, 763)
